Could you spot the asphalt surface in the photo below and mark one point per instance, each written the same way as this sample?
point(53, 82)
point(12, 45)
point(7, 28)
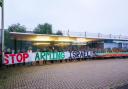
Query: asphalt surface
point(123, 87)
point(94, 74)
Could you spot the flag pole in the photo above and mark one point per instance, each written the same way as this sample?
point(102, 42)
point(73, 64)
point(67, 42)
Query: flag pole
point(2, 28)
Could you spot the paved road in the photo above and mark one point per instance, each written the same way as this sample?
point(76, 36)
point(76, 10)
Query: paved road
point(97, 74)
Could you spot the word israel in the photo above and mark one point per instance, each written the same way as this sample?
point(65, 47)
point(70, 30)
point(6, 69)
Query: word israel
point(81, 54)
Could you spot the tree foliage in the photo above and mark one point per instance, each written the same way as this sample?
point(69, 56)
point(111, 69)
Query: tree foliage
point(7, 38)
point(17, 28)
point(59, 32)
point(1, 3)
point(43, 29)
point(13, 28)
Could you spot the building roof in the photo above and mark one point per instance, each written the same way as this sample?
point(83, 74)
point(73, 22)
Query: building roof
point(46, 37)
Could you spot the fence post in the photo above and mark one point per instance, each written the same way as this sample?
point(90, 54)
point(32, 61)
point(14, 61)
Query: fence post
point(85, 34)
point(119, 36)
point(68, 32)
point(110, 35)
point(1, 59)
point(98, 35)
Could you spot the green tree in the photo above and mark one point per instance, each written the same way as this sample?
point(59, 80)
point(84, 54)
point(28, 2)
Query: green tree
point(13, 28)
point(17, 28)
point(59, 32)
point(43, 29)
point(1, 3)
point(7, 38)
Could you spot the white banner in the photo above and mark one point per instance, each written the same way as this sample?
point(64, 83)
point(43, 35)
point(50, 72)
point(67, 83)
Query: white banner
point(37, 56)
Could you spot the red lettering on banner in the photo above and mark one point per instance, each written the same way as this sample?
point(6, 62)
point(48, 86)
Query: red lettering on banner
point(6, 59)
point(12, 55)
point(25, 55)
point(19, 58)
point(15, 58)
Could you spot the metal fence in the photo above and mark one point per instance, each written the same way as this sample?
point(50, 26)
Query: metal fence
point(91, 35)
point(94, 35)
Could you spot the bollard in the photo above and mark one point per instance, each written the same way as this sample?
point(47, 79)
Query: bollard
point(0, 60)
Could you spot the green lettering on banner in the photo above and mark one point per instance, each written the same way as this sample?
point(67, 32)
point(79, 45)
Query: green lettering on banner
point(58, 55)
point(42, 55)
point(49, 56)
point(54, 55)
point(37, 58)
point(62, 55)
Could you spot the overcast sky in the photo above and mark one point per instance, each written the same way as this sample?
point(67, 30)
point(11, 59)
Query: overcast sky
point(104, 16)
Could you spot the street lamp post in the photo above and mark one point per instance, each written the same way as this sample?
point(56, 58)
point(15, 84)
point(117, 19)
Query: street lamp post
point(2, 27)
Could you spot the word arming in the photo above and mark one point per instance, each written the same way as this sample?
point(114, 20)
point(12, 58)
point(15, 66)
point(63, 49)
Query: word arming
point(15, 58)
point(49, 56)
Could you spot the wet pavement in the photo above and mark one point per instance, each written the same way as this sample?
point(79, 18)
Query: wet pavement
point(94, 74)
